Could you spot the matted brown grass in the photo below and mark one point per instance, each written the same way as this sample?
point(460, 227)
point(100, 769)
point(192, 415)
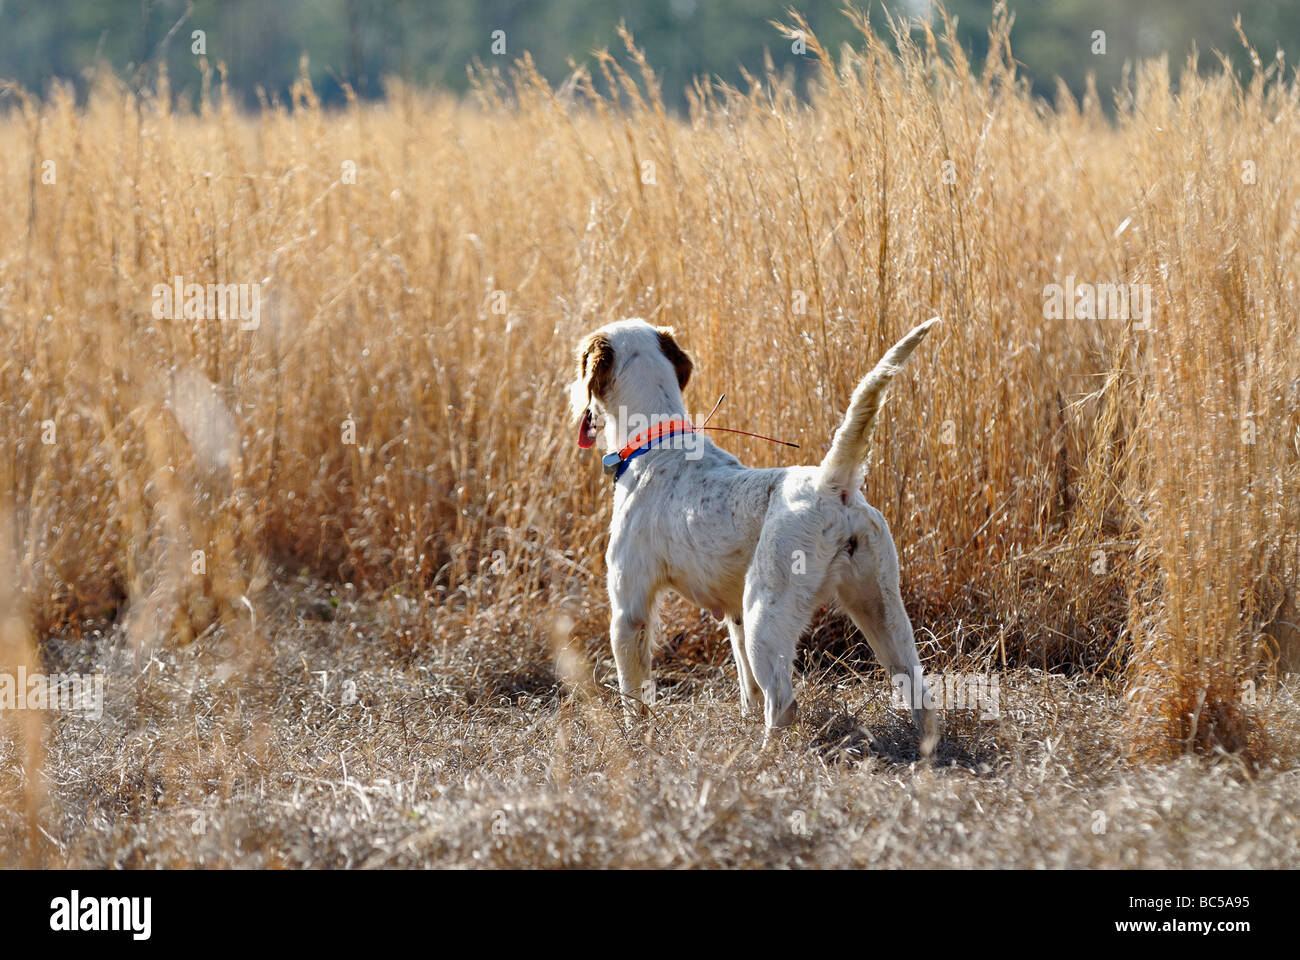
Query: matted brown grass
point(338, 746)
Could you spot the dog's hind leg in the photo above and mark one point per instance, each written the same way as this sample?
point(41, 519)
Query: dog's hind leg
point(771, 631)
point(886, 627)
point(869, 594)
point(786, 580)
point(779, 603)
point(751, 695)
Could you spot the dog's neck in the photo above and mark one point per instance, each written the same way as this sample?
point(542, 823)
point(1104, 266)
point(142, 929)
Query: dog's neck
point(637, 406)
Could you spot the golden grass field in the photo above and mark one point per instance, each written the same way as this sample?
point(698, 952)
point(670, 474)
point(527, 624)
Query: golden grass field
point(1105, 513)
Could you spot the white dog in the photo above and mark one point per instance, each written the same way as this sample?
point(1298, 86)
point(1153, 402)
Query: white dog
point(760, 549)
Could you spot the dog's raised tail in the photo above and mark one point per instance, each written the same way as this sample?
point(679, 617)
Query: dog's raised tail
point(843, 467)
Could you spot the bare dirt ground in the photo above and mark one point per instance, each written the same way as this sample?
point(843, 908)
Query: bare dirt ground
point(344, 741)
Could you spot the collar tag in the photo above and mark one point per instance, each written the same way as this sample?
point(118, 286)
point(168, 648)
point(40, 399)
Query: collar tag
point(611, 462)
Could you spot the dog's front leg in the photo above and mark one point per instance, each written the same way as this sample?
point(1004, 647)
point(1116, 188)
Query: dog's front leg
point(630, 638)
point(751, 696)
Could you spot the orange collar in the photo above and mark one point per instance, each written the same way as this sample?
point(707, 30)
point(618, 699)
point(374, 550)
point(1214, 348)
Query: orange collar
point(643, 442)
point(647, 437)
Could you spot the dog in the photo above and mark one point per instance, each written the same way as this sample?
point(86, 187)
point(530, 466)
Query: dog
point(761, 549)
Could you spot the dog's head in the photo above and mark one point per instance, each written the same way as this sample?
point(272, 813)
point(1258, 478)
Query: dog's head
point(631, 365)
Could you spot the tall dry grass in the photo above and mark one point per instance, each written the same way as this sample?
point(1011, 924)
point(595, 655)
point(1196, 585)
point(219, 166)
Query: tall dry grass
point(1065, 493)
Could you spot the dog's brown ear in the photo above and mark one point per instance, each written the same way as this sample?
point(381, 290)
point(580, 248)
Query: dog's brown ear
point(676, 356)
point(596, 364)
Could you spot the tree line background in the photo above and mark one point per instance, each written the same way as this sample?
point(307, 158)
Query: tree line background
point(433, 41)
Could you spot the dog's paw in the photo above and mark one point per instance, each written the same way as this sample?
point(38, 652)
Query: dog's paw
point(787, 717)
point(774, 738)
point(927, 730)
